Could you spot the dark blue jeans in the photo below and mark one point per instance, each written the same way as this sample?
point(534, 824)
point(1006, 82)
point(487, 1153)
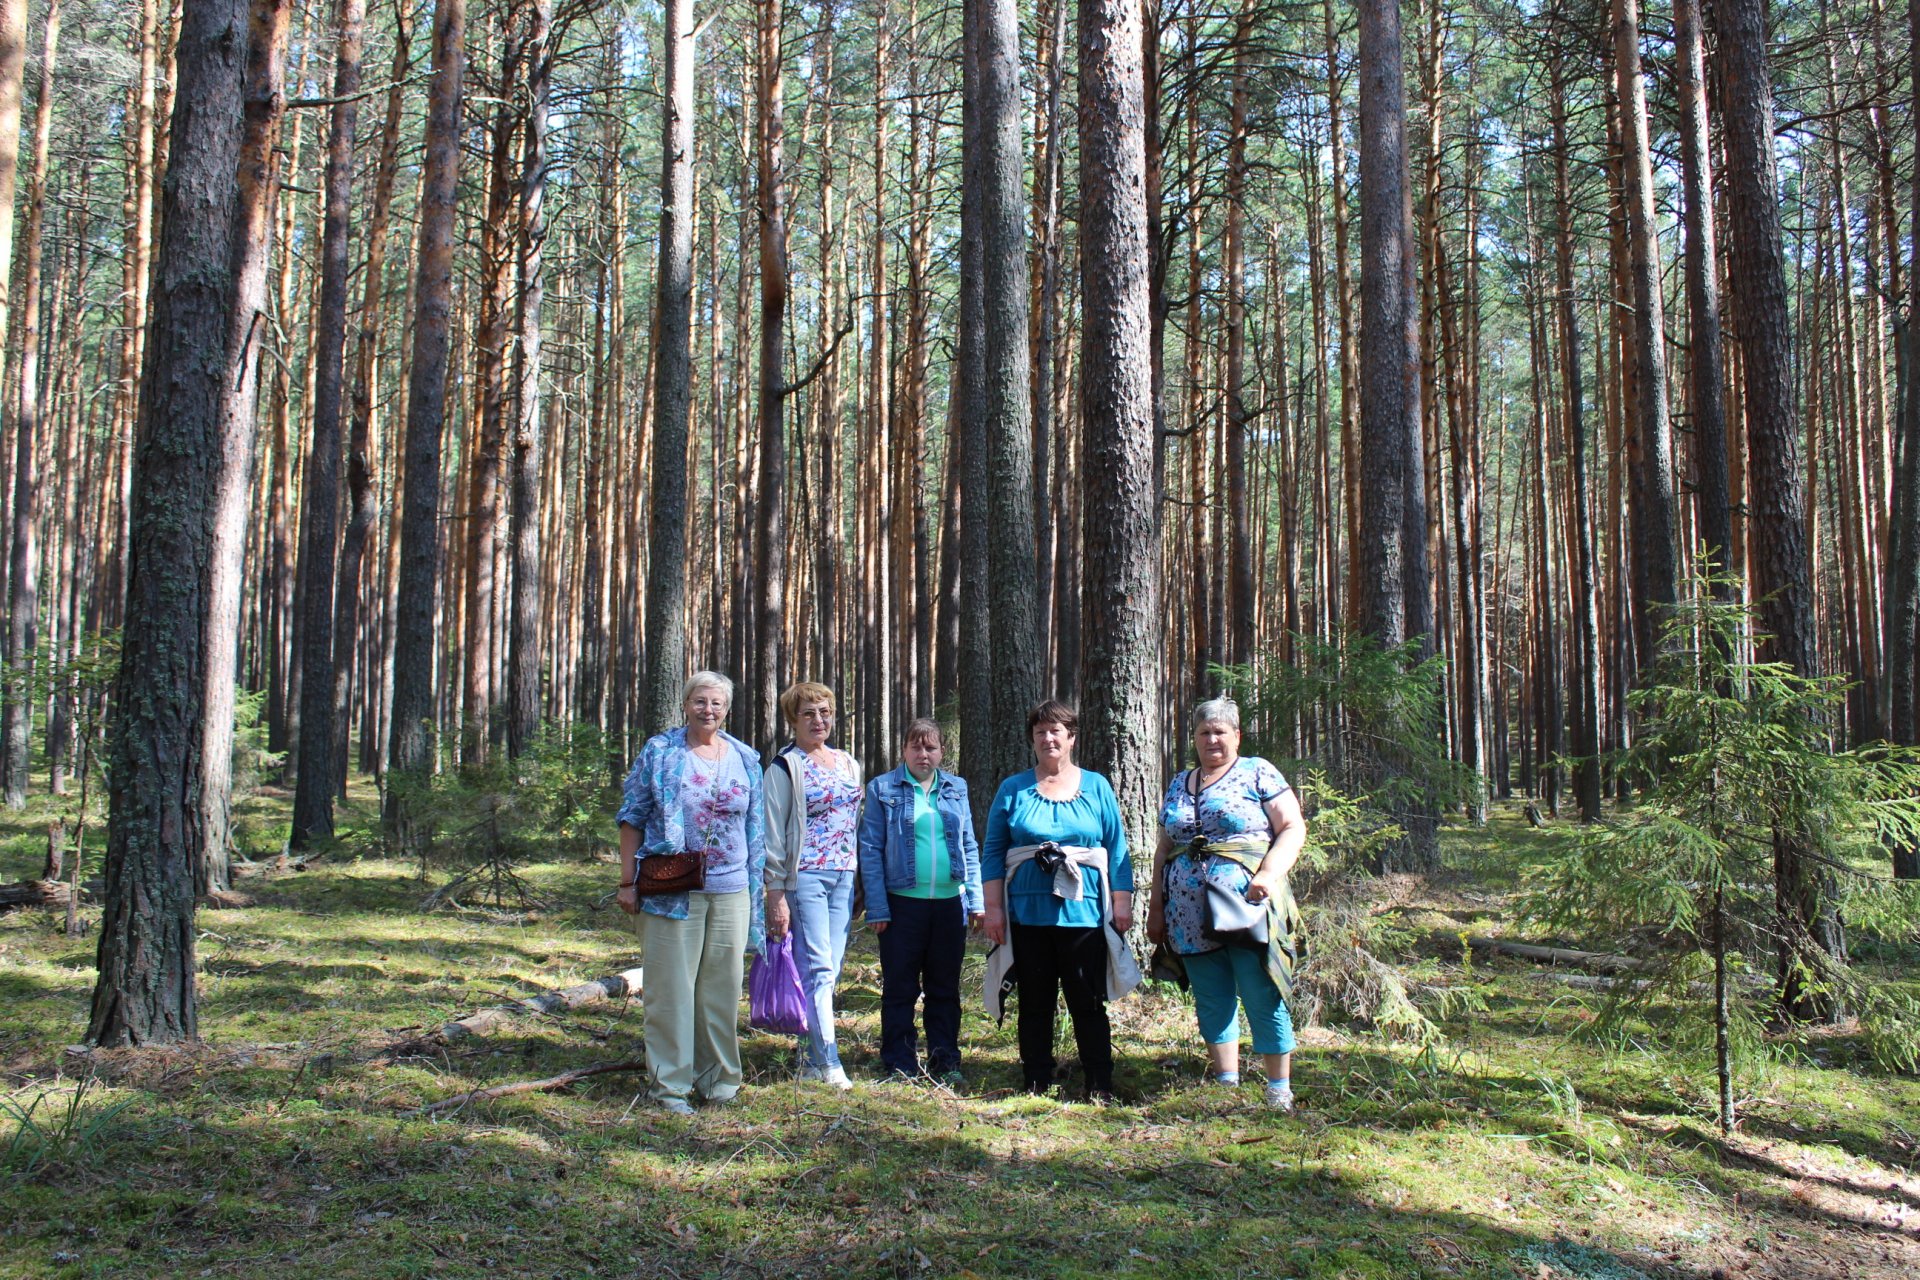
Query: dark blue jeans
point(921, 951)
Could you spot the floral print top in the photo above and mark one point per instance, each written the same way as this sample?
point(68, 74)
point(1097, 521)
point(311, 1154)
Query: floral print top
point(1234, 805)
point(833, 815)
point(678, 801)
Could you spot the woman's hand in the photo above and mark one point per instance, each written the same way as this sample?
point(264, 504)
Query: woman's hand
point(628, 899)
point(993, 923)
point(878, 926)
point(1265, 885)
point(1122, 910)
point(1156, 926)
point(778, 917)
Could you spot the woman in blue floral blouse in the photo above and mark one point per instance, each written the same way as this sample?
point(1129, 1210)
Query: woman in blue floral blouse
point(1233, 824)
point(696, 789)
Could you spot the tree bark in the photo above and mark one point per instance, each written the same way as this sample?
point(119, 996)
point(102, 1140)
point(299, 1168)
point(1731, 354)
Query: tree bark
point(1706, 402)
point(1902, 594)
point(361, 498)
point(265, 105)
point(1240, 559)
point(666, 636)
point(1655, 559)
point(315, 784)
point(1782, 568)
point(1586, 673)
point(529, 442)
point(410, 744)
point(1120, 733)
point(1013, 611)
point(23, 582)
point(1389, 415)
point(144, 994)
point(770, 529)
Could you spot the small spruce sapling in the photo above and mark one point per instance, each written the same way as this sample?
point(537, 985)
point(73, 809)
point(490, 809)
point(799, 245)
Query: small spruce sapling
point(1735, 753)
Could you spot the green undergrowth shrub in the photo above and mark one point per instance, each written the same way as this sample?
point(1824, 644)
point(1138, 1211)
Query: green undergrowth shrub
point(1305, 716)
point(1737, 758)
point(484, 821)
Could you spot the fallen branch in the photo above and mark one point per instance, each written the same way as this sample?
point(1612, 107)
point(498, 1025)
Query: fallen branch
point(33, 893)
point(1596, 961)
point(560, 1081)
point(617, 986)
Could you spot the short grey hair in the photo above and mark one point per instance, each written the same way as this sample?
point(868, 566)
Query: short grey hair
point(706, 680)
point(1220, 710)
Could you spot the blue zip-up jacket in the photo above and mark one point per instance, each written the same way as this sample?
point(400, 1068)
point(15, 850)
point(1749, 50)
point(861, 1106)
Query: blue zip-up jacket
point(887, 858)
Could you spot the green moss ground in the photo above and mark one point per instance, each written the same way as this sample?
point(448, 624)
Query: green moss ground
point(285, 1146)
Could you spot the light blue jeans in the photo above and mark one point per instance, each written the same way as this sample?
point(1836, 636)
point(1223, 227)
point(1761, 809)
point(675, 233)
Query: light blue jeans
point(821, 903)
point(1225, 980)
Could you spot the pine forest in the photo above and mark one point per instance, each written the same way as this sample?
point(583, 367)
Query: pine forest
point(1508, 403)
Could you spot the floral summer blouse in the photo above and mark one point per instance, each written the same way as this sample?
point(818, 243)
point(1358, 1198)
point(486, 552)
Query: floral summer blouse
point(1234, 805)
point(833, 816)
point(678, 801)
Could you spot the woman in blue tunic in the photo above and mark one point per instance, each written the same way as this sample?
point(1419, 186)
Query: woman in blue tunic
point(1232, 822)
point(1058, 884)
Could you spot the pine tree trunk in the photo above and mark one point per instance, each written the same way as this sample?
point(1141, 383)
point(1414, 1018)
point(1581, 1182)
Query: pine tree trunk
point(1013, 611)
point(666, 637)
point(770, 531)
point(1240, 557)
point(1783, 573)
point(529, 443)
point(1120, 724)
point(363, 505)
point(1902, 594)
point(1390, 423)
point(145, 994)
point(23, 582)
point(315, 784)
point(1655, 563)
point(1706, 404)
point(410, 746)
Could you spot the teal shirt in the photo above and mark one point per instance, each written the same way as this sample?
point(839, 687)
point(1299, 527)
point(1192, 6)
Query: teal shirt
point(932, 868)
point(1021, 815)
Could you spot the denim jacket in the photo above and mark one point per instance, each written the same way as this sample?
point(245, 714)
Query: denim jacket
point(887, 859)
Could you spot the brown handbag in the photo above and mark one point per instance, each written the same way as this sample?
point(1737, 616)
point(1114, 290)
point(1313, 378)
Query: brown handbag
point(669, 873)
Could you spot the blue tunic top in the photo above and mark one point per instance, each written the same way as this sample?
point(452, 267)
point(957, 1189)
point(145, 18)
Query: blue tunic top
point(1020, 815)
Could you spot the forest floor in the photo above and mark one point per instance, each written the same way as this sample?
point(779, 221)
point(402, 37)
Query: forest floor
point(289, 1142)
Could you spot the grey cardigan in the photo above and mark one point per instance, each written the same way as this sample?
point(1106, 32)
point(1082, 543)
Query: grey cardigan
point(787, 813)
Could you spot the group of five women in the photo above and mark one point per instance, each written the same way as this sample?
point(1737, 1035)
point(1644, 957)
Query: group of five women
point(782, 850)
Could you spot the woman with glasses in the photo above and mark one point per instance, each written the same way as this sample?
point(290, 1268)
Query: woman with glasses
point(813, 826)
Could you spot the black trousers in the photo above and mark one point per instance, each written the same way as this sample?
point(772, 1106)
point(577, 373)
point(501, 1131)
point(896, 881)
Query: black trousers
point(921, 950)
point(1048, 960)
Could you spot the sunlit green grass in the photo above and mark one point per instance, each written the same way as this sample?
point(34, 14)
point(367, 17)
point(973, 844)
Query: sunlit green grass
point(288, 1144)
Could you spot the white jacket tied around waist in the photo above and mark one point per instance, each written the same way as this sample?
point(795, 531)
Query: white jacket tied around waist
point(1123, 971)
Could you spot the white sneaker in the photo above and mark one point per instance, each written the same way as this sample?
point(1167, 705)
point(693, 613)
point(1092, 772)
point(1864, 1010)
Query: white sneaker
point(676, 1106)
point(811, 1075)
point(1280, 1096)
point(837, 1077)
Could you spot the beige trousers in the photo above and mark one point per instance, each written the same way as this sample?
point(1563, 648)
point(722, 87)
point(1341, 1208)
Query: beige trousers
point(691, 996)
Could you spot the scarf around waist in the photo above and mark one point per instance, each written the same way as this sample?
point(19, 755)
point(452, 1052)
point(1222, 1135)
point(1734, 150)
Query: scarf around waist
point(1067, 884)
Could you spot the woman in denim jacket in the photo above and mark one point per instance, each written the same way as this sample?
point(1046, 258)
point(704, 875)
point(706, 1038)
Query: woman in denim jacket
point(920, 865)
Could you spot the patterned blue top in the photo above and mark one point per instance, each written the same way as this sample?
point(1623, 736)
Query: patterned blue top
point(1234, 805)
point(1021, 815)
point(678, 801)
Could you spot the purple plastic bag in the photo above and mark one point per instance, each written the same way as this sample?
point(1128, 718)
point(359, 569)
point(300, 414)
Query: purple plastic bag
point(775, 999)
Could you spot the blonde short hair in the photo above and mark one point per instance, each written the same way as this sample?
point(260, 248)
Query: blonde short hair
point(804, 694)
point(706, 680)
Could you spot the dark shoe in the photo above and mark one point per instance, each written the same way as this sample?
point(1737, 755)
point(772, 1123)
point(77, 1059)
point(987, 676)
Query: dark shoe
point(953, 1078)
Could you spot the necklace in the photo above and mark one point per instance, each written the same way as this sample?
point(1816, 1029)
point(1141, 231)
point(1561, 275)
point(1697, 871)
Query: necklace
point(1225, 769)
